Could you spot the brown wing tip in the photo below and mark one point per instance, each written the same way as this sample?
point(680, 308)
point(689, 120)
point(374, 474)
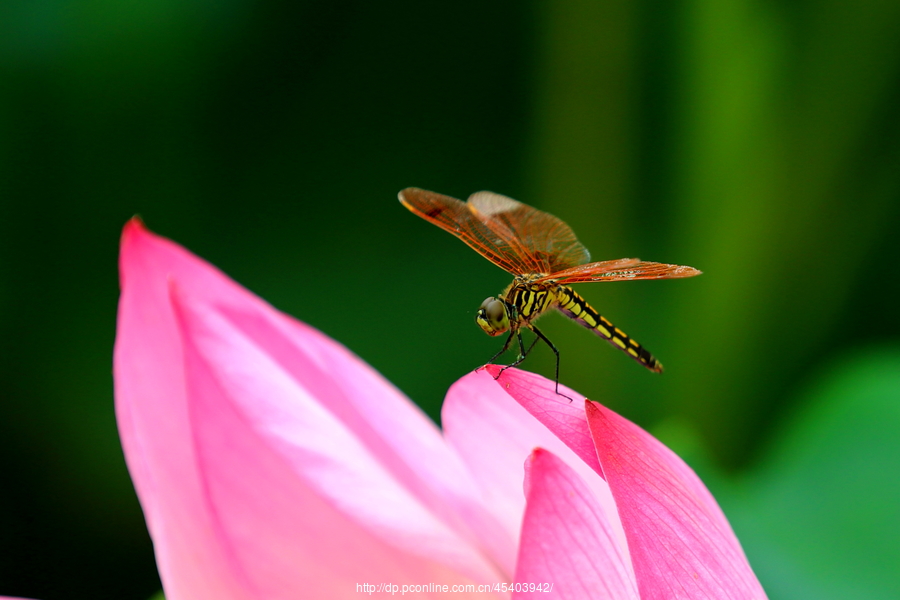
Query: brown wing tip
point(408, 198)
point(683, 271)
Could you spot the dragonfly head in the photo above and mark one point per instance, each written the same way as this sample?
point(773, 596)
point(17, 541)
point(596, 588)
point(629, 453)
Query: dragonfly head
point(493, 316)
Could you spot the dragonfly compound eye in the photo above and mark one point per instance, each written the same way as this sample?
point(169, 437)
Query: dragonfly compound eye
point(492, 317)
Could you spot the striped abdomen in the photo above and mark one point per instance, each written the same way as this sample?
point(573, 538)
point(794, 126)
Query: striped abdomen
point(572, 305)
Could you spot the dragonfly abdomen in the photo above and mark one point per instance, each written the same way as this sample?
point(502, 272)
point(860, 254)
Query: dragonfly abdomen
point(575, 307)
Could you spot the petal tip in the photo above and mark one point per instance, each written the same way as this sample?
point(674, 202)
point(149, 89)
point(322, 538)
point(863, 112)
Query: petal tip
point(537, 454)
point(134, 225)
point(133, 230)
point(493, 369)
point(592, 407)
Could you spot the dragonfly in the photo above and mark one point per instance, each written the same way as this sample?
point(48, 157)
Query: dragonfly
point(544, 257)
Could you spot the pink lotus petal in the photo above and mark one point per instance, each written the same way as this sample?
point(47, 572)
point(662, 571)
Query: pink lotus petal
point(298, 498)
point(241, 506)
point(565, 419)
point(567, 539)
point(562, 416)
point(679, 541)
point(404, 439)
point(681, 544)
point(493, 434)
point(272, 463)
point(154, 425)
point(395, 430)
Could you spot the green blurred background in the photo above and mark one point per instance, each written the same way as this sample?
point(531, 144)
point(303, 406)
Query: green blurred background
point(757, 141)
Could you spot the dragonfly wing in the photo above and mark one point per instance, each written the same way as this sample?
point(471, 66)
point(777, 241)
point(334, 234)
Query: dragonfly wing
point(625, 269)
point(457, 217)
point(545, 243)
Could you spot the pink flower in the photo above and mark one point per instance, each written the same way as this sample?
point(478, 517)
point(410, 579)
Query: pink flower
point(272, 463)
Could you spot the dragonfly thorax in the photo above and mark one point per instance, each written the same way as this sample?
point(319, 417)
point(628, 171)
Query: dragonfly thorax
point(529, 299)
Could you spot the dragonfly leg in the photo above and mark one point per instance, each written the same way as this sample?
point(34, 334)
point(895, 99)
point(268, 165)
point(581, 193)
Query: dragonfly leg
point(527, 352)
point(522, 352)
point(556, 352)
point(504, 348)
point(518, 334)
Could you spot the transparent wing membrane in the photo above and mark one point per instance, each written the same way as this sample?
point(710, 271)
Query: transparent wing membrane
point(626, 269)
point(512, 235)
